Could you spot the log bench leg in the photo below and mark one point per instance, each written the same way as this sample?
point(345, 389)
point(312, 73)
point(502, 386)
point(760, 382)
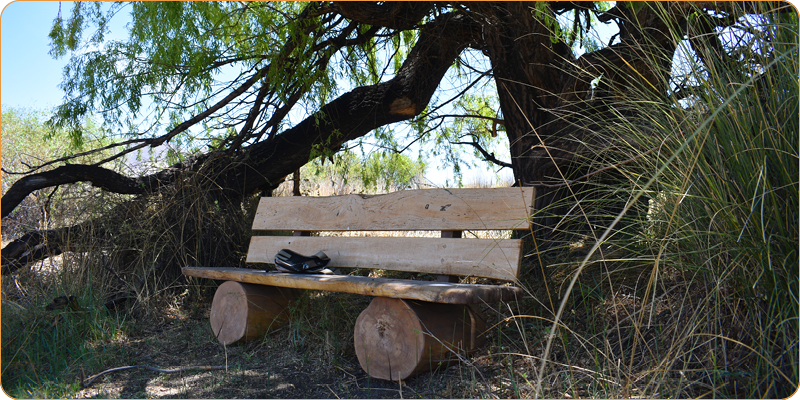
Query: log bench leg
point(396, 339)
point(244, 311)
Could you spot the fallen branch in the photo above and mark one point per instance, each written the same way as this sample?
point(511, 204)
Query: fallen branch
point(87, 382)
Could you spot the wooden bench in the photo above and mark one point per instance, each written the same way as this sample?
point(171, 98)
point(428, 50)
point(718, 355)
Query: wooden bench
point(410, 325)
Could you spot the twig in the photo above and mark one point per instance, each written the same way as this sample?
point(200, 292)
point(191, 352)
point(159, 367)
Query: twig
point(486, 155)
point(86, 383)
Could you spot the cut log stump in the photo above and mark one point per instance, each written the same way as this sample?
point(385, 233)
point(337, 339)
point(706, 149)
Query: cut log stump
point(396, 339)
point(245, 311)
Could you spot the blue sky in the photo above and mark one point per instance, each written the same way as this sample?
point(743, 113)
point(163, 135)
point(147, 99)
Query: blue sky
point(29, 77)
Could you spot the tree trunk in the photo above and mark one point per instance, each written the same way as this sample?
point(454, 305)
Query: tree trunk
point(539, 83)
point(533, 80)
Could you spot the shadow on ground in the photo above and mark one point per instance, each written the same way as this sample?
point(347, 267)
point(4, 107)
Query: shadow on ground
point(274, 367)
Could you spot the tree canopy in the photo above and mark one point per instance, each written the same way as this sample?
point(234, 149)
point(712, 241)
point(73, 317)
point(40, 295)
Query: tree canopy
point(259, 89)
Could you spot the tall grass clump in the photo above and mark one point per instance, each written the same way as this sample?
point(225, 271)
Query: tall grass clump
point(726, 209)
point(701, 215)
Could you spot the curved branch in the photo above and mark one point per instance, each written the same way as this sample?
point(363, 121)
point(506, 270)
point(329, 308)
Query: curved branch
point(363, 109)
point(100, 177)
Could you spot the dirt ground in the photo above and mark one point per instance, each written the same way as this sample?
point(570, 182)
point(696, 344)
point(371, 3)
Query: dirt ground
point(288, 363)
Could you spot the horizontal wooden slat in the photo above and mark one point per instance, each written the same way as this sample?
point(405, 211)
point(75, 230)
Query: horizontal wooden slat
point(436, 292)
point(488, 258)
point(425, 209)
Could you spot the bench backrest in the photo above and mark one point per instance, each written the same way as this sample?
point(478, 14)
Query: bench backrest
point(446, 210)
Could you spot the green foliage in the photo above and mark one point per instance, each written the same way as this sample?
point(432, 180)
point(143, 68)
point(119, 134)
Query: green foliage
point(378, 171)
point(180, 58)
point(28, 141)
point(542, 13)
point(477, 119)
point(178, 55)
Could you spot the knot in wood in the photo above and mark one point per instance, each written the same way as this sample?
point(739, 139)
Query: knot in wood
point(380, 326)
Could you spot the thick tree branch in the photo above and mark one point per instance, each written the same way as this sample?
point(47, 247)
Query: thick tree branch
point(705, 41)
point(363, 109)
point(38, 245)
point(100, 177)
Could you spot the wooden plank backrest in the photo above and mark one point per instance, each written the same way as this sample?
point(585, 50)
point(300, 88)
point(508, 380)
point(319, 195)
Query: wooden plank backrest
point(426, 209)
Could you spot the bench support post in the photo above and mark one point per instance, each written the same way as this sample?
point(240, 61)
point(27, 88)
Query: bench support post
point(245, 311)
point(396, 339)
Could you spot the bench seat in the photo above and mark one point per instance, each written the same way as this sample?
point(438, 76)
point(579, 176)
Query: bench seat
point(434, 292)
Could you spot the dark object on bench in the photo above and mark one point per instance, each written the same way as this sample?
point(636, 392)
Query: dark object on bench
point(289, 261)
